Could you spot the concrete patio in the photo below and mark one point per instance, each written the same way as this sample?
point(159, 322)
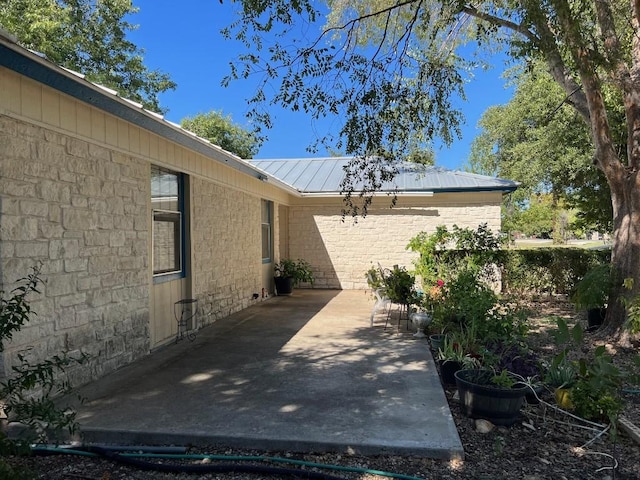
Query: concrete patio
point(299, 373)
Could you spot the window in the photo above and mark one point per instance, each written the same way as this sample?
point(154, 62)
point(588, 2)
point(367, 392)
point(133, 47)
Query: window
point(267, 238)
point(168, 222)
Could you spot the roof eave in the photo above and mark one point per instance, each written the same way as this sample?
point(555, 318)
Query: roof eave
point(31, 65)
point(417, 193)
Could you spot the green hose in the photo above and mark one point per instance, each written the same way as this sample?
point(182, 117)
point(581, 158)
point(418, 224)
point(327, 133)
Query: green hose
point(246, 458)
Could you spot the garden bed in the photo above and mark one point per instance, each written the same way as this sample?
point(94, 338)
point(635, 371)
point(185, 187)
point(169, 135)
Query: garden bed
point(532, 449)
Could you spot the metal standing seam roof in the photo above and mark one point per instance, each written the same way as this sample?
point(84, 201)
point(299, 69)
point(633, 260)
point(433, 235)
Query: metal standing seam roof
point(324, 176)
point(305, 176)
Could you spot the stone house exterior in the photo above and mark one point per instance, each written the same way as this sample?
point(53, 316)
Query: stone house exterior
point(127, 213)
point(342, 250)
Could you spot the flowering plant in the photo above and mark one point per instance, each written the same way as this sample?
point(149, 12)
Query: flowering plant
point(432, 296)
point(505, 321)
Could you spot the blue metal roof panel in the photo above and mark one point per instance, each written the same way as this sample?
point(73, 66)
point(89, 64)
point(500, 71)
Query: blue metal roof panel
point(325, 175)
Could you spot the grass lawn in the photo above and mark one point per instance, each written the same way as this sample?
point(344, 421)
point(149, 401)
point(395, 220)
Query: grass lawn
point(543, 243)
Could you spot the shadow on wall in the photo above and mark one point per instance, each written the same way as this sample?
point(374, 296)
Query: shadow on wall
point(400, 211)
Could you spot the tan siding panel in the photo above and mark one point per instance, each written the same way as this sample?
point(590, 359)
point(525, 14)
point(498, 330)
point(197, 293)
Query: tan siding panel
point(134, 140)
point(31, 96)
point(154, 146)
point(98, 126)
point(84, 120)
point(68, 118)
point(50, 107)
point(123, 135)
point(111, 130)
point(10, 91)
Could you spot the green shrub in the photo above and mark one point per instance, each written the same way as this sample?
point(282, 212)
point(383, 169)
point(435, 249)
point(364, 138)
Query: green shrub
point(466, 299)
point(27, 393)
point(444, 253)
point(547, 270)
point(592, 291)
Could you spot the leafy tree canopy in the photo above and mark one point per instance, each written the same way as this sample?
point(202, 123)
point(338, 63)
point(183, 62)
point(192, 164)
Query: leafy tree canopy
point(537, 220)
point(389, 69)
point(393, 97)
point(220, 130)
point(425, 156)
point(88, 36)
point(540, 141)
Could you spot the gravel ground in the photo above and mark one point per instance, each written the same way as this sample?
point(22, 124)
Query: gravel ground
point(538, 447)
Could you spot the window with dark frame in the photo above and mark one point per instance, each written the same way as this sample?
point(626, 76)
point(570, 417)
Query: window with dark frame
point(167, 204)
point(267, 238)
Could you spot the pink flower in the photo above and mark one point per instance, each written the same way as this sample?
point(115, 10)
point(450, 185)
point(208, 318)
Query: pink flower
point(440, 283)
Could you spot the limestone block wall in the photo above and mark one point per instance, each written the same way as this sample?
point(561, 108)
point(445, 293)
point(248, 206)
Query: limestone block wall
point(341, 250)
point(80, 210)
point(227, 268)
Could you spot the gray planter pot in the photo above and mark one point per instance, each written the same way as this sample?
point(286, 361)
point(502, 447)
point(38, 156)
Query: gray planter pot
point(437, 340)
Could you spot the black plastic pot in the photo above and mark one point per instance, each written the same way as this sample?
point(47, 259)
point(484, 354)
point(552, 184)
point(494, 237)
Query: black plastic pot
point(595, 316)
point(532, 397)
point(284, 285)
point(480, 399)
point(448, 368)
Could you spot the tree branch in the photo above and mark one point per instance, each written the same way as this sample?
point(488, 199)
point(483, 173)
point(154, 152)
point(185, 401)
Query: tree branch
point(546, 38)
point(500, 22)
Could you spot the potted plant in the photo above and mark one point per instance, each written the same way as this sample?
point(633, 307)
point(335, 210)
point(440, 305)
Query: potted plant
point(560, 377)
point(521, 362)
point(437, 340)
point(494, 397)
point(399, 289)
point(289, 273)
point(453, 356)
point(592, 292)
point(399, 286)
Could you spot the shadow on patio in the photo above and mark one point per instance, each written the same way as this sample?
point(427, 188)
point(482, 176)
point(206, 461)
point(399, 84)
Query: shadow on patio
point(301, 373)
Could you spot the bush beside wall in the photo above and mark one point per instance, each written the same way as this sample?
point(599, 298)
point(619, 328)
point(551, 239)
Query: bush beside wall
point(536, 271)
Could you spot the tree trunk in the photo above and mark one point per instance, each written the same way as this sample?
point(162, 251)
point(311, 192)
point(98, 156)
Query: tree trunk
point(625, 254)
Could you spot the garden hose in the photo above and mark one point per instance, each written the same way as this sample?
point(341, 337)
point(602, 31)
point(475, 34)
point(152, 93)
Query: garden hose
point(134, 459)
point(631, 391)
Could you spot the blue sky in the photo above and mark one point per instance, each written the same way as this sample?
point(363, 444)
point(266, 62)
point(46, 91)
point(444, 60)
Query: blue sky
point(183, 39)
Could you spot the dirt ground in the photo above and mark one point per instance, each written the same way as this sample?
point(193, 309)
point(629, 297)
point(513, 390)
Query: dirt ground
point(543, 445)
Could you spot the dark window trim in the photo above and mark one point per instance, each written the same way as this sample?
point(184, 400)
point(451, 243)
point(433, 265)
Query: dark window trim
point(163, 277)
point(269, 204)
